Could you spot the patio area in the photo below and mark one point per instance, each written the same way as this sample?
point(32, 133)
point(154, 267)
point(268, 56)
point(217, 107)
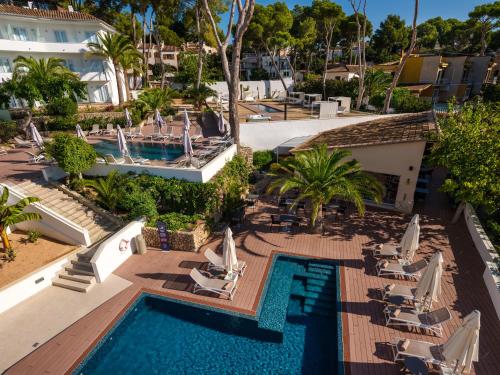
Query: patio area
point(365, 335)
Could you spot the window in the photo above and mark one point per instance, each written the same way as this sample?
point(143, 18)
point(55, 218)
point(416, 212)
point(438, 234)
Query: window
point(102, 94)
point(95, 65)
point(157, 55)
point(4, 65)
point(390, 183)
point(90, 36)
point(169, 56)
point(61, 36)
point(19, 33)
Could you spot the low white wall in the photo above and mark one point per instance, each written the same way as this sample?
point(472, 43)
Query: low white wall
point(28, 286)
point(268, 135)
point(257, 89)
point(109, 257)
point(211, 168)
point(52, 224)
point(491, 275)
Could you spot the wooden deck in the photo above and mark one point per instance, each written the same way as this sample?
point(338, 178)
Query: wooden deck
point(365, 335)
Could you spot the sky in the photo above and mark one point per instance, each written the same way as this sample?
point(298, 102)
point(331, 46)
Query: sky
point(377, 10)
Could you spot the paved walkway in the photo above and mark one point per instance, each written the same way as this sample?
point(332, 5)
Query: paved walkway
point(365, 334)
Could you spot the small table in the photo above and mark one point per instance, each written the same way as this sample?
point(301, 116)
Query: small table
point(416, 366)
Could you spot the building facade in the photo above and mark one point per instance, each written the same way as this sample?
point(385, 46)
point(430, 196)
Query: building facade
point(252, 62)
point(62, 33)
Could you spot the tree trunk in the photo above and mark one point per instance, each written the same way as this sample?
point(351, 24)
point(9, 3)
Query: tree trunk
point(145, 58)
point(5, 240)
point(200, 47)
point(315, 221)
point(134, 36)
point(127, 86)
point(458, 212)
point(118, 84)
point(483, 40)
point(325, 70)
point(272, 56)
point(401, 65)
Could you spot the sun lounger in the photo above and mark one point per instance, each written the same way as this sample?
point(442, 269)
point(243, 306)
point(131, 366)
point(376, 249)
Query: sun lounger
point(95, 130)
point(134, 133)
point(221, 287)
point(404, 317)
point(109, 130)
point(129, 160)
point(22, 143)
point(426, 351)
point(413, 271)
point(35, 158)
point(407, 292)
point(111, 159)
point(3, 151)
point(216, 262)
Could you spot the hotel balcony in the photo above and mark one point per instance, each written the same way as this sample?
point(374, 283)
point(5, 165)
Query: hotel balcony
point(41, 47)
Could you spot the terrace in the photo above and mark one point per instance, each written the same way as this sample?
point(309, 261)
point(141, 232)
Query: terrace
point(365, 335)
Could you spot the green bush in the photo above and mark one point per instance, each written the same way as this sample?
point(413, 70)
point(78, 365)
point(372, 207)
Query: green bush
point(334, 87)
point(61, 107)
point(72, 154)
point(138, 203)
point(8, 130)
point(33, 236)
point(404, 102)
point(62, 123)
point(262, 159)
point(491, 93)
point(176, 221)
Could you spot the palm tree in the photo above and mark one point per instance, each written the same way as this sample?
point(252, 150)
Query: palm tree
point(113, 47)
point(376, 82)
point(320, 176)
point(14, 214)
point(153, 99)
point(107, 189)
point(131, 61)
point(199, 95)
point(42, 69)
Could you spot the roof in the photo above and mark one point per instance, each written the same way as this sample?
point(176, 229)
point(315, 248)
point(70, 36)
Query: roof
point(417, 88)
point(63, 15)
point(412, 127)
point(343, 68)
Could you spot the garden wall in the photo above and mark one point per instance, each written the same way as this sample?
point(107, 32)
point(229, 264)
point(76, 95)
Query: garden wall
point(179, 240)
point(491, 275)
point(256, 89)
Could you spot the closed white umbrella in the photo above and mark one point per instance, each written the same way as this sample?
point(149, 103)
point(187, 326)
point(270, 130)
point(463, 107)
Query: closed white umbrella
point(429, 285)
point(158, 119)
point(229, 252)
point(187, 123)
point(128, 118)
point(462, 348)
point(188, 147)
point(410, 242)
point(122, 142)
point(220, 123)
point(80, 133)
point(35, 135)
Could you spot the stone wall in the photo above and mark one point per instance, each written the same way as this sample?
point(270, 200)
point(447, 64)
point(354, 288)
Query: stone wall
point(247, 153)
point(180, 240)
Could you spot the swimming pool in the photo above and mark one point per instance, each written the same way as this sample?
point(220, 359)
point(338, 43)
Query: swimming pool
point(266, 108)
point(292, 335)
point(152, 151)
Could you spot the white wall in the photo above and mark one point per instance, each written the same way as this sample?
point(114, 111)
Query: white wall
point(109, 257)
point(257, 89)
point(16, 292)
point(52, 224)
point(268, 135)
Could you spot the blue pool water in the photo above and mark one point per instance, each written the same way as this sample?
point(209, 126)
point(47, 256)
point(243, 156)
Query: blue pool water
point(266, 108)
point(152, 151)
point(158, 335)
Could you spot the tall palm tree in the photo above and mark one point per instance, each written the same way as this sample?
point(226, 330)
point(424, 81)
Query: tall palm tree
point(113, 47)
point(14, 214)
point(41, 69)
point(320, 176)
point(107, 189)
point(376, 82)
point(131, 62)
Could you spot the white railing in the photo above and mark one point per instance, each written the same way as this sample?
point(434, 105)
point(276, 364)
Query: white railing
point(52, 224)
point(115, 250)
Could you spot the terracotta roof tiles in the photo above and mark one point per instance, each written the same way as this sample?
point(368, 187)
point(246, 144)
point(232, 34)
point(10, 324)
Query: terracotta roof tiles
point(48, 14)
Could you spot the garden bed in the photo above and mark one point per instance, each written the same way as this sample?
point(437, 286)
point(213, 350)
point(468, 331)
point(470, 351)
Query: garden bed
point(182, 240)
point(30, 256)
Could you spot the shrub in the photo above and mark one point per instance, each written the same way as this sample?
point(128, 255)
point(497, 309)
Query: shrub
point(72, 154)
point(404, 102)
point(333, 87)
point(33, 236)
point(61, 107)
point(262, 159)
point(491, 93)
point(8, 130)
point(62, 123)
point(176, 221)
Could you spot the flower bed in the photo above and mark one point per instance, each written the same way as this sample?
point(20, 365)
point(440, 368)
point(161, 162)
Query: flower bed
point(181, 240)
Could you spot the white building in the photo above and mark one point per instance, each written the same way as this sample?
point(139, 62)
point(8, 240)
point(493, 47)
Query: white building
point(42, 33)
point(252, 61)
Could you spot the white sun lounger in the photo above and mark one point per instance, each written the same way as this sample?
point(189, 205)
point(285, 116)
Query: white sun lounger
point(216, 262)
point(22, 143)
point(426, 351)
point(35, 158)
point(129, 160)
point(3, 151)
point(404, 317)
point(412, 271)
point(221, 287)
point(95, 130)
point(111, 159)
point(109, 130)
point(134, 133)
point(407, 292)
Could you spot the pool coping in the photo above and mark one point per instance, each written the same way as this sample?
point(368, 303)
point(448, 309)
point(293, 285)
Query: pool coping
point(344, 351)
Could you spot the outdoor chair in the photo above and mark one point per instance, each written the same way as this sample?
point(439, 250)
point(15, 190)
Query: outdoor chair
point(109, 130)
point(158, 135)
point(134, 133)
point(111, 159)
point(221, 287)
point(404, 317)
point(396, 290)
point(35, 158)
point(426, 351)
point(22, 143)
point(413, 271)
point(217, 263)
point(129, 160)
point(95, 130)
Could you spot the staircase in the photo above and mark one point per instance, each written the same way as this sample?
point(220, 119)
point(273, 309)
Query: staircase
point(317, 286)
point(97, 225)
point(77, 275)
